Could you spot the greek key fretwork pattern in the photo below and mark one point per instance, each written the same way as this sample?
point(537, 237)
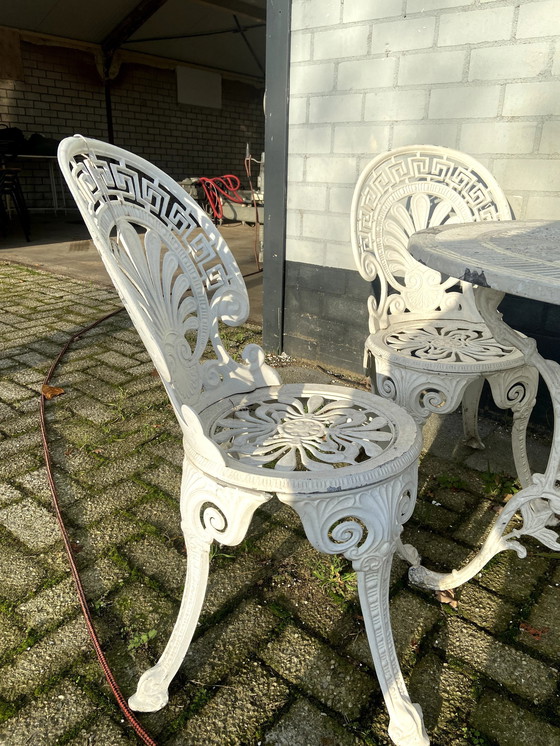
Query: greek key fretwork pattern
point(409, 190)
point(172, 269)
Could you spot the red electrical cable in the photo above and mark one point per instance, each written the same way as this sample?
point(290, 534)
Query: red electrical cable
point(227, 185)
point(127, 712)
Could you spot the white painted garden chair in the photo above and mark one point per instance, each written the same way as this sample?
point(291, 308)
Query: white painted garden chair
point(428, 348)
point(346, 460)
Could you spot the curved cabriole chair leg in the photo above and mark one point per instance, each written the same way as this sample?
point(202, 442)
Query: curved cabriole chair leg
point(151, 694)
point(209, 512)
point(517, 390)
point(365, 526)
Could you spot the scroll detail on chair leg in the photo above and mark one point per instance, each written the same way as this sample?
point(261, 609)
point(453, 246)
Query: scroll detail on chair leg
point(209, 512)
point(365, 525)
point(517, 390)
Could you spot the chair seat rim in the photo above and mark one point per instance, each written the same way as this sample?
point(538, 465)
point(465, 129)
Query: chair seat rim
point(390, 462)
point(376, 344)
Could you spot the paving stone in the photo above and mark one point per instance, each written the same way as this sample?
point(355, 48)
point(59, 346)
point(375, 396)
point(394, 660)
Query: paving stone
point(510, 667)
point(166, 478)
point(226, 584)
point(10, 634)
point(476, 527)
point(447, 697)
point(108, 375)
point(18, 464)
point(238, 710)
point(171, 451)
point(36, 484)
point(34, 359)
point(30, 441)
point(30, 523)
point(8, 493)
point(163, 514)
point(45, 721)
point(486, 609)
point(92, 507)
point(96, 389)
point(12, 392)
point(511, 725)
point(50, 656)
point(511, 576)
point(103, 732)
point(444, 472)
point(294, 588)
point(116, 360)
point(280, 542)
point(129, 442)
point(53, 605)
point(20, 424)
point(20, 573)
point(317, 669)
point(228, 643)
point(93, 410)
point(141, 608)
point(112, 472)
point(305, 724)
point(434, 515)
point(411, 619)
point(159, 561)
point(115, 530)
point(6, 413)
point(541, 631)
point(437, 552)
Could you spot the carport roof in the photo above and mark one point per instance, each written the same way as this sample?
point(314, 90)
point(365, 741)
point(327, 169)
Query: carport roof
point(223, 35)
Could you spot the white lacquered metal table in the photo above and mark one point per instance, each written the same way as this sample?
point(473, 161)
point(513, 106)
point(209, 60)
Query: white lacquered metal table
point(521, 258)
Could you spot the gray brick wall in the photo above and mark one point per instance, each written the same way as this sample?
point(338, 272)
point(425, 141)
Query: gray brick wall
point(61, 93)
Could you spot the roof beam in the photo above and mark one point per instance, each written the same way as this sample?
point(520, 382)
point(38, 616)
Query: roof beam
point(130, 24)
point(240, 7)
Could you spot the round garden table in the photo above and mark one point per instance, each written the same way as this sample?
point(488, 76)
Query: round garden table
point(521, 258)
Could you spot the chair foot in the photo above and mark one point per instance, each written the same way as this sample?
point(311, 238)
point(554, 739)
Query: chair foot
point(151, 694)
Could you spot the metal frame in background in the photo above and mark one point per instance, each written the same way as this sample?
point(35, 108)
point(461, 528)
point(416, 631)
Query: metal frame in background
point(278, 18)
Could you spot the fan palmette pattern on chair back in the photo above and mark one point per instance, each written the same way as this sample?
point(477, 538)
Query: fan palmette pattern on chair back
point(405, 191)
point(172, 269)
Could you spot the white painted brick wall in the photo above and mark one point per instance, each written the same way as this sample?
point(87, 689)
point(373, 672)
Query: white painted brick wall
point(304, 139)
point(516, 61)
point(429, 68)
point(312, 78)
point(538, 19)
point(481, 76)
point(475, 26)
point(366, 74)
point(396, 36)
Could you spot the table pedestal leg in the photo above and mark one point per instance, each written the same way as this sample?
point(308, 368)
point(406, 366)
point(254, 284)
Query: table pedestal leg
point(539, 503)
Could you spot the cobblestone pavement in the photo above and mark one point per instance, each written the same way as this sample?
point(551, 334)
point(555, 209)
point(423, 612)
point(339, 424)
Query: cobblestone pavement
point(280, 657)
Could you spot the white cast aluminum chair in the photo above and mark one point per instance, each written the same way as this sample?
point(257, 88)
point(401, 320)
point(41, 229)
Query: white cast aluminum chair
point(428, 348)
point(346, 460)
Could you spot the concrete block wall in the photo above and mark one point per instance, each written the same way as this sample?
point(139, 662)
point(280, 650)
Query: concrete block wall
point(61, 93)
point(482, 76)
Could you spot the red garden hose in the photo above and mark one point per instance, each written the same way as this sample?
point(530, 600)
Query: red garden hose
point(127, 712)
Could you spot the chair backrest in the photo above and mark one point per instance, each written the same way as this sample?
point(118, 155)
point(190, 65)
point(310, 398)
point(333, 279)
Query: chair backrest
point(404, 191)
point(172, 269)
